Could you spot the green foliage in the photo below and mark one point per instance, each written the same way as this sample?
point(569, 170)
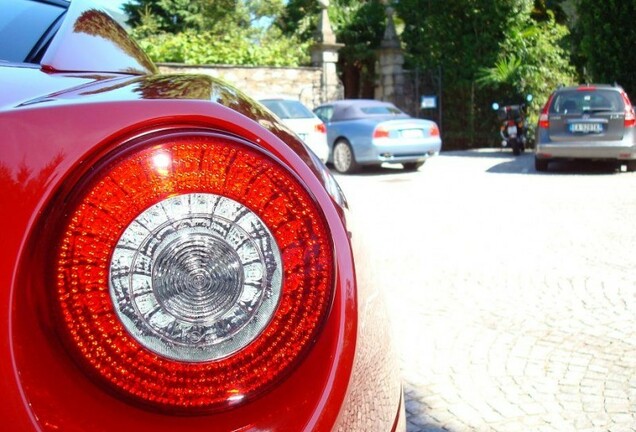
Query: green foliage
point(545, 10)
point(358, 24)
point(607, 35)
point(232, 48)
point(506, 71)
point(500, 50)
point(486, 50)
point(462, 36)
point(532, 60)
point(299, 18)
point(203, 32)
point(174, 16)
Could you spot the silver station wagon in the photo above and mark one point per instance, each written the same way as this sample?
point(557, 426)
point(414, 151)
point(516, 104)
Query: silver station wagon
point(594, 122)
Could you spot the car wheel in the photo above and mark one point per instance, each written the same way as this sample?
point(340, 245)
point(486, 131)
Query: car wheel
point(516, 147)
point(631, 165)
point(412, 166)
point(540, 165)
point(343, 159)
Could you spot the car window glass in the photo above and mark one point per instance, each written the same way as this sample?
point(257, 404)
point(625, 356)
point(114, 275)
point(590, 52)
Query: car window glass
point(578, 101)
point(381, 110)
point(324, 113)
point(24, 23)
point(287, 109)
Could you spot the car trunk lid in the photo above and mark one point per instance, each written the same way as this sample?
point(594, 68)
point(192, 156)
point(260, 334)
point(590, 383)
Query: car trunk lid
point(406, 129)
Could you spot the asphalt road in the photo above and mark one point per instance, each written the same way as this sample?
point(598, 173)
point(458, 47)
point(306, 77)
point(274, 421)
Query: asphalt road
point(512, 294)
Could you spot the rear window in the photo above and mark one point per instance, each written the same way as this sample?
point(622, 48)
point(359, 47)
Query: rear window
point(594, 100)
point(380, 110)
point(287, 109)
point(24, 23)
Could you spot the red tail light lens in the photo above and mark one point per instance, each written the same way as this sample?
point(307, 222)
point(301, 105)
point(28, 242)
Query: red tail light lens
point(630, 116)
point(320, 128)
point(193, 273)
point(544, 118)
point(380, 132)
point(434, 130)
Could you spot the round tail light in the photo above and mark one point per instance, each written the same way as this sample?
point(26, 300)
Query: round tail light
point(193, 272)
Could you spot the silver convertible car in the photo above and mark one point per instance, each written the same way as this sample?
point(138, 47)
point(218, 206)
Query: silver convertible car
point(370, 132)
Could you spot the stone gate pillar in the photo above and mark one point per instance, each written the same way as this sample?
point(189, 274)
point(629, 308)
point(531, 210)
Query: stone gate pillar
point(390, 85)
point(324, 53)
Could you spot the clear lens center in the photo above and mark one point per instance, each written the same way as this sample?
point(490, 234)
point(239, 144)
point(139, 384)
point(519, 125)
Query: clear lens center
point(196, 277)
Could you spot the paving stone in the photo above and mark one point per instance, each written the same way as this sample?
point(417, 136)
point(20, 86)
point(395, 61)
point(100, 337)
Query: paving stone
point(506, 324)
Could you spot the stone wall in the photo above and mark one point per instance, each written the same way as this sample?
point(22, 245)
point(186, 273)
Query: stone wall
point(303, 83)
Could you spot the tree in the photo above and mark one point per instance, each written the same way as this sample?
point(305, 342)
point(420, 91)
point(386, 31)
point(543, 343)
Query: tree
point(532, 60)
point(174, 16)
point(360, 26)
point(488, 51)
point(546, 10)
point(606, 36)
point(460, 38)
point(299, 18)
point(203, 32)
point(460, 35)
point(357, 24)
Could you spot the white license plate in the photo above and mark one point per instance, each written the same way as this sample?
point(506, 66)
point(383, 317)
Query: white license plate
point(412, 133)
point(512, 131)
point(586, 128)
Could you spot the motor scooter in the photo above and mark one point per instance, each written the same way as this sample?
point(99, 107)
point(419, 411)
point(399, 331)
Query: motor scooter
point(513, 126)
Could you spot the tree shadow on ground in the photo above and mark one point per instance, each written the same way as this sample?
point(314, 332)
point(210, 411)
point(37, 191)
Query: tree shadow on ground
point(524, 164)
point(375, 170)
point(417, 420)
point(489, 153)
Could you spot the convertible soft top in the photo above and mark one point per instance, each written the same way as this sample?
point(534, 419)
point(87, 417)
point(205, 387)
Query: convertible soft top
point(352, 109)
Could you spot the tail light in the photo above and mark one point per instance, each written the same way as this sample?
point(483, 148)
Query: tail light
point(380, 132)
point(544, 118)
point(630, 116)
point(192, 273)
point(434, 131)
point(320, 128)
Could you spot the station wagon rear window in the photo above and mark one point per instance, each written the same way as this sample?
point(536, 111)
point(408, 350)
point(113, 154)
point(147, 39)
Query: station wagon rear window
point(587, 101)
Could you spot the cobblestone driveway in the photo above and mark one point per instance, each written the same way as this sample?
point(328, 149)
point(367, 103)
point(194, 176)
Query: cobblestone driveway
point(512, 293)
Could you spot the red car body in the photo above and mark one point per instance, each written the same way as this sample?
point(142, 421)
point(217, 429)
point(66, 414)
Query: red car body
point(91, 99)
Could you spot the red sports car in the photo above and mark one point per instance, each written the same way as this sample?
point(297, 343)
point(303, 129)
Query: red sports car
point(172, 257)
